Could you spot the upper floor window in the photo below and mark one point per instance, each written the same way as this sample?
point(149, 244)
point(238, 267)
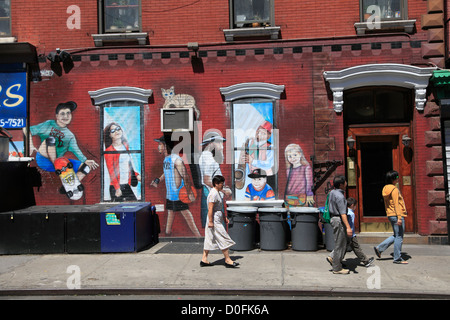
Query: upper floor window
point(385, 10)
point(5, 18)
point(384, 16)
point(252, 13)
point(252, 18)
point(121, 16)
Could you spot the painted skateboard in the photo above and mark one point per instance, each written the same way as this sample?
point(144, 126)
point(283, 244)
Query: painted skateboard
point(71, 184)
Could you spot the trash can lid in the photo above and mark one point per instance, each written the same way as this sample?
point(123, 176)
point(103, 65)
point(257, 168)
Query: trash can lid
point(276, 210)
point(243, 209)
point(304, 210)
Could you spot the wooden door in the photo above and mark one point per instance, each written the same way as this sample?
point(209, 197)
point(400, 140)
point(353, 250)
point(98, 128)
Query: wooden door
point(379, 149)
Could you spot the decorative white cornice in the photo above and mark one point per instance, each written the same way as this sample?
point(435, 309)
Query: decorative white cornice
point(120, 94)
point(252, 89)
point(384, 74)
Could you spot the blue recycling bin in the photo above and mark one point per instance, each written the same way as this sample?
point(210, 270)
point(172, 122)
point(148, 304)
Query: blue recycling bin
point(126, 227)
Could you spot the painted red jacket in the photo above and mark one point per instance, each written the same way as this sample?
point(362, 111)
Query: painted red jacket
point(112, 163)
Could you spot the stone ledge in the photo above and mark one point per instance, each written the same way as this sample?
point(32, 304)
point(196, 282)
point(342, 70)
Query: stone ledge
point(101, 39)
point(232, 34)
point(403, 25)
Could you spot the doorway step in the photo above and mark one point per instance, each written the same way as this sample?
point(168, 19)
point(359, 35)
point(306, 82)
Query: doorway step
point(410, 238)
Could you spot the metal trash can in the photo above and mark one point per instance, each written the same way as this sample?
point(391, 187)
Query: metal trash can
point(305, 228)
point(328, 236)
point(273, 228)
point(242, 227)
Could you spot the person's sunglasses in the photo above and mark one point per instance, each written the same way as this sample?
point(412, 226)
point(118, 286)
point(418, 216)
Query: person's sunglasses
point(115, 129)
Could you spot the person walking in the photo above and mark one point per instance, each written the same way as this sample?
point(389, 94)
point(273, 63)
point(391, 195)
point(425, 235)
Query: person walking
point(216, 237)
point(341, 229)
point(353, 241)
point(396, 212)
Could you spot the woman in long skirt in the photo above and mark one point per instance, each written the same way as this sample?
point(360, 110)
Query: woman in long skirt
point(216, 237)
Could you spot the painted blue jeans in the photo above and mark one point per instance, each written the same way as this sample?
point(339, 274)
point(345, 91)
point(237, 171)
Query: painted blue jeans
point(396, 239)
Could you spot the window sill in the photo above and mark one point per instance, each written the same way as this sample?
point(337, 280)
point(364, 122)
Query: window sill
point(8, 39)
point(233, 34)
point(407, 26)
point(101, 39)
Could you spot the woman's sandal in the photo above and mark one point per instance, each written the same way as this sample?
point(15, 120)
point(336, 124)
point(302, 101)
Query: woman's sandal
point(204, 264)
point(233, 265)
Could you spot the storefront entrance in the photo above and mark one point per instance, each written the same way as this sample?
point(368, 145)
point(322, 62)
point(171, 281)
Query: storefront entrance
point(378, 149)
point(378, 120)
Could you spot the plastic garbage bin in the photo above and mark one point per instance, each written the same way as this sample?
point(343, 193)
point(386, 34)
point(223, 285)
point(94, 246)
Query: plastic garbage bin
point(305, 228)
point(328, 237)
point(242, 227)
point(273, 228)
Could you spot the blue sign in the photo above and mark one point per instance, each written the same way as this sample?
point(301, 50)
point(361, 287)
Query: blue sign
point(13, 100)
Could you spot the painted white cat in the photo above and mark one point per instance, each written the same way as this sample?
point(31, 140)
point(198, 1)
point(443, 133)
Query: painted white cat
point(182, 100)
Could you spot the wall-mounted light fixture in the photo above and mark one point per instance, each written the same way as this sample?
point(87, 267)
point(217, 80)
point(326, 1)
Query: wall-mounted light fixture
point(406, 140)
point(193, 46)
point(55, 61)
point(351, 142)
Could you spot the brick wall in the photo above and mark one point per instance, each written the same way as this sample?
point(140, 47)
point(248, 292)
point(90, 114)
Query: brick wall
point(304, 115)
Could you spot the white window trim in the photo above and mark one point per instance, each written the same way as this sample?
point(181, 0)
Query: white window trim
point(384, 74)
point(120, 94)
point(252, 90)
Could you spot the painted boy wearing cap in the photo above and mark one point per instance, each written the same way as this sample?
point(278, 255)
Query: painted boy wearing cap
point(259, 189)
point(57, 140)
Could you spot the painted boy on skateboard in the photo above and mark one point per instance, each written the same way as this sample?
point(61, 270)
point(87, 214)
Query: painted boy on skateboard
point(57, 140)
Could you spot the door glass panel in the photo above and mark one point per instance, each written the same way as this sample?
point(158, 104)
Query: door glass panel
point(376, 160)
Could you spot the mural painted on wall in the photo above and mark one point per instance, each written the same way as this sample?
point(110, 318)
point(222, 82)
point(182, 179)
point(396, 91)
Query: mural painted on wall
point(179, 184)
point(56, 140)
point(299, 178)
point(255, 170)
point(122, 154)
point(209, 162)
point(182, 100)
point(179, 189)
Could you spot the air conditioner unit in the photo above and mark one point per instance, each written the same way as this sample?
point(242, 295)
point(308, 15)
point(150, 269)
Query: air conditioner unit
point(177, 119)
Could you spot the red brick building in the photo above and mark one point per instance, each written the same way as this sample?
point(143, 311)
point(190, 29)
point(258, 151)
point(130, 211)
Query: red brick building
point(315, 76)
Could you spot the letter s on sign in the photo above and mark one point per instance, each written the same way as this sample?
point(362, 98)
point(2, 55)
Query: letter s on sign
point(11, 95)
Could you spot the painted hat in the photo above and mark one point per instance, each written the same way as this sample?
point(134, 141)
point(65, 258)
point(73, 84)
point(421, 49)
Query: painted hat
point(161, 139)
point(211, 137)
point(257, 173)
point(266, 125)
point(66, 105)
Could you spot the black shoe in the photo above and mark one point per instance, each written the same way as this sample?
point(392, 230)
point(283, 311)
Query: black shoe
point(233, 265)
point(377, 252)
point(204, 264)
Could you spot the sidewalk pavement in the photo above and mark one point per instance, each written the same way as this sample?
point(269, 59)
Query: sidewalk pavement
point(261, 273)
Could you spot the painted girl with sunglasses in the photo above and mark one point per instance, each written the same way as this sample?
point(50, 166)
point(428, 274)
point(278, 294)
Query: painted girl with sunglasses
point(119, 164)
